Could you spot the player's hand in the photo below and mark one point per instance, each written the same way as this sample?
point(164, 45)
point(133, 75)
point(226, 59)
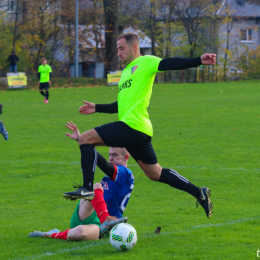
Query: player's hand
point(49, 82)
point(208, 59)
point(38, 82)
point(75, 135)
point(89, 108)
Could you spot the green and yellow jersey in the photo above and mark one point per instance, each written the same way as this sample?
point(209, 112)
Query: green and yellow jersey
point(135, 90)
point(44, 73)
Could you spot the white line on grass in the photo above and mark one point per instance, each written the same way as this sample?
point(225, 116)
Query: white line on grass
point(131, 165)
point(64, 250)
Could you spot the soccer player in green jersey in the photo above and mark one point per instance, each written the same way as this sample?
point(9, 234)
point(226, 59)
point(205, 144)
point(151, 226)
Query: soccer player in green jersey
point(44, 79)
point(134, 129)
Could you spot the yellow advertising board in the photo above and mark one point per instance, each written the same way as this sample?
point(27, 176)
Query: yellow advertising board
point(113, 78)
point(19, 80)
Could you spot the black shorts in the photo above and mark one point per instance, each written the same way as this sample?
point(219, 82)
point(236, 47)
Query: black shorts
point(44, 85)
point(138, 144)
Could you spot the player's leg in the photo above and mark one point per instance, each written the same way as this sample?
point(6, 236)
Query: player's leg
point(1, 108)
point(41, 87)
point(104, 135)
point(85, 209)
point(173, 178)
point(47, 92)
point(99, 203)
point(156, 173)
point(3, 131)
point(84, 232)
point(100, 206)
point(146, 158)
point(43, 234)
point(81, 229)
point(116, 134)
point(47, 96)
point(81, 232)
point(83, 217)
point(87, 141)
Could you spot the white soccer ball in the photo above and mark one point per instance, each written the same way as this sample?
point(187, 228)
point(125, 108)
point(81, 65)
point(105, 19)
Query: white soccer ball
point(123, 236)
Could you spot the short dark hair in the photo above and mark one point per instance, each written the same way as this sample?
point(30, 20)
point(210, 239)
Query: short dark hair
point(44, 58)
point(130, 38)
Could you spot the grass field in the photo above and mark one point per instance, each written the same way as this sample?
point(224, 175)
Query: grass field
point(209, 133)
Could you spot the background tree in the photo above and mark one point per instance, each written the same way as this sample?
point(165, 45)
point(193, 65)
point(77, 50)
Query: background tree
point(191, 13)
point(68, 26)
point(38, 29)
point(93, 17)
point(210, 36)
point(111, 33)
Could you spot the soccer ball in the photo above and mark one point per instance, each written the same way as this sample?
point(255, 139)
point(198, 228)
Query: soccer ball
point(123, 236)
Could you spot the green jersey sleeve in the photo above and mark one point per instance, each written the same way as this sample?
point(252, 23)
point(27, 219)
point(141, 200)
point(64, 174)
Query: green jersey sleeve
point(152, 63)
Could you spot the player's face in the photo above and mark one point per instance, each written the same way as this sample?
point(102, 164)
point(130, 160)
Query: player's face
point(116, 157)
point(125, 51)
point(44, 62)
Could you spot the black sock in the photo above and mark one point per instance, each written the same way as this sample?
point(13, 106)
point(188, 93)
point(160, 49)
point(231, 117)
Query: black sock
point(177, 181)
point(47, 94)
point(42, 93)
point(88, 164)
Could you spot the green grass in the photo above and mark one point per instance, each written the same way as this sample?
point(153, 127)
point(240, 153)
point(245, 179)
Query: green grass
point(209, 133)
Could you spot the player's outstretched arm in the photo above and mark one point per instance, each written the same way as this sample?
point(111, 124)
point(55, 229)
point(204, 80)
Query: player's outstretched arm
point(88, 108)
point(91, 108)
point(185, 63)
point(107, 108)
point(71, 126)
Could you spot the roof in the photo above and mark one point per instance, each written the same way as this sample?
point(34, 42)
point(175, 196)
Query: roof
point(240, 8)
point(87, 37)
point(237, 8)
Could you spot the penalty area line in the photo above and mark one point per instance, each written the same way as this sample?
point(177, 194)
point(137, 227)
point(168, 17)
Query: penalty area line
point(66, 250)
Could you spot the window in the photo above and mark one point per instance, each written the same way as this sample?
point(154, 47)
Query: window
point(246, 35)
point(11, 6)
point(164, 9)
point(48, 4)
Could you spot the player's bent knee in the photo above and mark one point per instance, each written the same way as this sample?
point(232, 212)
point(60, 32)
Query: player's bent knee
point(154, 176)
point(97, 186)
point(77, 233)
point(151, 177)
point(86, 232)
point(85, 138)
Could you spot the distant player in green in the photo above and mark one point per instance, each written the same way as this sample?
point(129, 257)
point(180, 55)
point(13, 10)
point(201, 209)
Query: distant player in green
point(44, 79)
point(134, 129)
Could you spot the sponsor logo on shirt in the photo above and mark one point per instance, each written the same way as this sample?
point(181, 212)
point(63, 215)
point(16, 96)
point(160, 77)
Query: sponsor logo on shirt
point(134, 69)
point(126, 84)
